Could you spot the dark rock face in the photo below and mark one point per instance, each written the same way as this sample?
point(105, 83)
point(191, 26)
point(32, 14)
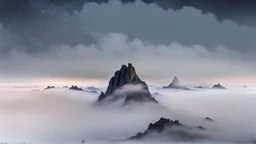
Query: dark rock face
point(170, 127)
point(49, 87)
point(218, 86)
point(127, 75)
point(175, 84)
point(75, 88)
point(209, 119)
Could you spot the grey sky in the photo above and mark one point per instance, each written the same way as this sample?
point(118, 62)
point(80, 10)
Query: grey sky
point(161, 44)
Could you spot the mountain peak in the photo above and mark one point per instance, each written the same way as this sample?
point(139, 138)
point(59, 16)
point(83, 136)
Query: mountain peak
point(126, 75)
point(175, 81)
point(218, 86)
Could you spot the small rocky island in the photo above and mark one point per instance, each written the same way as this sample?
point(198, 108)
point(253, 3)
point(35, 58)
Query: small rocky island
point(49, 87)
point(218, 86)
point(123, 77)
point(201, 87)
point(173, 130)
point(73, 87)
point(175, 84)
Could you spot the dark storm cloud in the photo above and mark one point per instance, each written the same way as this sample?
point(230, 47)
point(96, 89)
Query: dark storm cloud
point(186, 43)
point(37, 24)
point(34, 25)
point(241, 11)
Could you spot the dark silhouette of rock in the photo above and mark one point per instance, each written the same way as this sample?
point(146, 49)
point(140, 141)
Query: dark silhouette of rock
point(127, 75)
point(49, 87)
point(209, 119)
point(75, 88)
point(201, 128)
point(92, 88)
point(201, 87)
point(172, 128)
point(218, 86)
point(175, 84)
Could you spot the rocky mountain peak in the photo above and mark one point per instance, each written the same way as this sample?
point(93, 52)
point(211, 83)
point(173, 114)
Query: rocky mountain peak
point(126, 75)
point(175, 82)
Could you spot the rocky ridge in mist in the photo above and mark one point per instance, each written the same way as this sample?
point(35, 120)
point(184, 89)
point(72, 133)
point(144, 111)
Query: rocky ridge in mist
point(175, 84)
point(49, 87)
point(73, 87)
point(173, 130)
point(218, 86)
point(126, 76)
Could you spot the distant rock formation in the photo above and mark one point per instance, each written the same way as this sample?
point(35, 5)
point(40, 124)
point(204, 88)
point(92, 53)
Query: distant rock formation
point(49, 87)
point(169, 128)
point(125, 76)
point(175, 84)
point(245, 86)
point(201, 87)
point(92, 88)
point(218, 86)
point(65, 87)
point(75, 88)
point(209, 119)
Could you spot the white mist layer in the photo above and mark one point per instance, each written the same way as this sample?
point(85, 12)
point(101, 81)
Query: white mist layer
point(62, 116)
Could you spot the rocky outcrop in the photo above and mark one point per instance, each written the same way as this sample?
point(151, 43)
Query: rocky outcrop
point(201, 87)
point(49, 87)
point(209, 119)
point(218, 86)
point(92, 88)
point(174, 130)
point(126, 76)
point(175, 84)
point(75, 88)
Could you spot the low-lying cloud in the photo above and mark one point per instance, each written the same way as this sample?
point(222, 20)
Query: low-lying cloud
point(60, 115)
point(99, 61)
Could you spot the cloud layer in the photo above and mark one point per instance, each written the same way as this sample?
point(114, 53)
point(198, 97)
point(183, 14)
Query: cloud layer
point(64, 116)
point(99, 61)
point(78, 45)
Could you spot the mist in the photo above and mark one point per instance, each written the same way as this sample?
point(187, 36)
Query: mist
point(60, 115)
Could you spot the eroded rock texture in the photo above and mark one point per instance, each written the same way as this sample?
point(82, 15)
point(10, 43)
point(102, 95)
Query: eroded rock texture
point(127, 76)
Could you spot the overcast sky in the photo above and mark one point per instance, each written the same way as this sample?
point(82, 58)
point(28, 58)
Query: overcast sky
point(96, 41)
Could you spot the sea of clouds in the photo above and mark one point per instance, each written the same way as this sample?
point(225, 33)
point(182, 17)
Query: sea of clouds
point(62, 116)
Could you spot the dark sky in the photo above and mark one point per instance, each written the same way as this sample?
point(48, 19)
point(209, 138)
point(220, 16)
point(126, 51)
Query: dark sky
point(74, 39)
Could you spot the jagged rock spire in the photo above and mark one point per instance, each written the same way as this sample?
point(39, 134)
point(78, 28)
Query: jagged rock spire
point(218, 86)
point(175, 82)
point(126, 75)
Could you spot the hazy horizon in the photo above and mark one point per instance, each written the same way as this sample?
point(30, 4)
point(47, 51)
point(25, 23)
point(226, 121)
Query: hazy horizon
point(210, 45)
